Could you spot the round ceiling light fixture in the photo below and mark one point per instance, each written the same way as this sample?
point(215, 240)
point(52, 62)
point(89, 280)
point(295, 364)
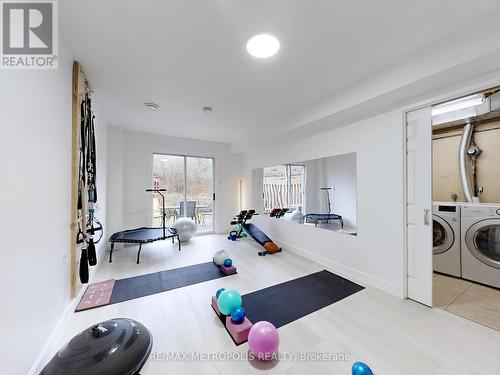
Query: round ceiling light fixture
point(152, 106)
point(263, 46)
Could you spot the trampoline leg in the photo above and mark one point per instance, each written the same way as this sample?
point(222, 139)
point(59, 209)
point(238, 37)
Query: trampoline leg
point(111, 252)
point(139, 253)
point(179, 241)
point(173, 239)
point(341, 224)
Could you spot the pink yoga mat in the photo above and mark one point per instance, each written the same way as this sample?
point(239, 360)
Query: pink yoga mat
point(97, 294)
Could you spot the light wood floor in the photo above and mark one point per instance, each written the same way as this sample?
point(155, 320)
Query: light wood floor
point(394, 336)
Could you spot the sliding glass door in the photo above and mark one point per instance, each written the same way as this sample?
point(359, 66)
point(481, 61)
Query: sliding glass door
point(200, 190)
point(189, 184)
point(168, 173)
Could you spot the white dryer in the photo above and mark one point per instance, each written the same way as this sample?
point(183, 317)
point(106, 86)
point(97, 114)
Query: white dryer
point(446, 238)
point(481, 243)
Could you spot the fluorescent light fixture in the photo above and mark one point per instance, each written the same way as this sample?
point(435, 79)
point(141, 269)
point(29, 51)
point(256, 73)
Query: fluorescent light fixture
point(263, 46)
point(455, 105)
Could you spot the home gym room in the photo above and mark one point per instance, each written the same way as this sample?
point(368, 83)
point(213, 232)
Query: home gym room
point(250, 187)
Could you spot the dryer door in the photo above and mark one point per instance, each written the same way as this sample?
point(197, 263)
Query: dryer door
point(443, 236)
point(483, 241)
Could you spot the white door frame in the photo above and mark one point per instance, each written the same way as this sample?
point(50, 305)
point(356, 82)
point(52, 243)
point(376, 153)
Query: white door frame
point(468, 89)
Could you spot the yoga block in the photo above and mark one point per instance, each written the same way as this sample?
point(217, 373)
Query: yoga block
point(228, 270)
point(221, 316)
point(215, 307)
point(239, 332)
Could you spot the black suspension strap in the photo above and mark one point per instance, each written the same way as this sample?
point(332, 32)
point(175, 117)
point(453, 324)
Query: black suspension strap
point(91, 187)
point(88, 225)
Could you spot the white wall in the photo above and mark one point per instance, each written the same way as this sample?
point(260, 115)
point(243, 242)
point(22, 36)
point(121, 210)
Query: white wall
point(130, 173)
point(101, 129)
point(375, 256)
point(35, 170)
point(115, 180)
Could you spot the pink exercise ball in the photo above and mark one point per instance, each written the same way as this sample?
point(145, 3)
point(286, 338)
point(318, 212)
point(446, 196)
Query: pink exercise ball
point(263, 340)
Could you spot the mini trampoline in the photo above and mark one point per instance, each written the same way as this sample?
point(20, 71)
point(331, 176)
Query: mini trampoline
point(144, 235)
point(323, 218)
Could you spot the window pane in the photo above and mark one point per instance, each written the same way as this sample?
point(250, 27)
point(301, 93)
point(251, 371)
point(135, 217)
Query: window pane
point(168, 173)
point(275, 187)
point(297, 178)
point(199, 194)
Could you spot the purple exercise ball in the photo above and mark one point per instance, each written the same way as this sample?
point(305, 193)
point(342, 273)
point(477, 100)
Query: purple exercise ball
point(263, 340)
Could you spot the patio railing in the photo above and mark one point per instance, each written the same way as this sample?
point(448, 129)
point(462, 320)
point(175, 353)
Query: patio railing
point(275, 195)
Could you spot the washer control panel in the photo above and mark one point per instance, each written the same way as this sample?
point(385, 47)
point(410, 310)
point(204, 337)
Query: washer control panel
point(480, 210)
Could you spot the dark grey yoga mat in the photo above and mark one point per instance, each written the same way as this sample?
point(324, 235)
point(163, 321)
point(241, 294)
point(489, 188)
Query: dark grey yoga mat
point(158, 282)
point(153, 283)
point(286, 302)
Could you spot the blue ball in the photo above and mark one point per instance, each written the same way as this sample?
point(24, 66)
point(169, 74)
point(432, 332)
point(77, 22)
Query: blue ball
point(228, 262)
point(360, 368)
point(238, 315)
point(219, 292)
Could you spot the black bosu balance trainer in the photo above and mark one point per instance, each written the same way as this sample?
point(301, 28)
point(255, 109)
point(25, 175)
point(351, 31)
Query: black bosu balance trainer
point(114, 347)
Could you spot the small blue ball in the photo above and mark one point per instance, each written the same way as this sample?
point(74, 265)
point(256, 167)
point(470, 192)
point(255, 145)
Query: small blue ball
point(217, 294)
point(238, 315)
point(228, 262)
point(360, 368)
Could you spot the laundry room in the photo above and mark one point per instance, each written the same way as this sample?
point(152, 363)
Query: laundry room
point(466, 206)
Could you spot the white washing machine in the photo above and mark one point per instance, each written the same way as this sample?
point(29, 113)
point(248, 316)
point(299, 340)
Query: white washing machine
point(481, 243)
point(446, 238)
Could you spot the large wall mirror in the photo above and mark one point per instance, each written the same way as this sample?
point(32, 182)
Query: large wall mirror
point(320, 193)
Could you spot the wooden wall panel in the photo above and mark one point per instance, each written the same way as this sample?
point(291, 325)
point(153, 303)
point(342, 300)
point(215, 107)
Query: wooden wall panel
point(78, 91)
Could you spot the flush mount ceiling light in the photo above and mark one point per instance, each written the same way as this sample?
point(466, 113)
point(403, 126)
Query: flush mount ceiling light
point(152, 106)
point(455, 105)
point(263, 46)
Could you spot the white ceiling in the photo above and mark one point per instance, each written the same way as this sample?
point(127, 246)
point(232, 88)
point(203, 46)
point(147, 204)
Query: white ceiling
point(186, 54)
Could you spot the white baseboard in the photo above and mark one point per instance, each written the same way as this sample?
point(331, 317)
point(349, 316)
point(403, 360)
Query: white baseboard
point(56, 334)
point(344, 271)
point(61, 325)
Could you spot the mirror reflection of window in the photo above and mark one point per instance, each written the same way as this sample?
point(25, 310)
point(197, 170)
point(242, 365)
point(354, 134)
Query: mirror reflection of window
point(297, 186)
point(274, 186)
point(323, 190)
point(283, 186)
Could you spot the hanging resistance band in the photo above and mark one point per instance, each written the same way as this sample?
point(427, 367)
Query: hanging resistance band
point(88, 225)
